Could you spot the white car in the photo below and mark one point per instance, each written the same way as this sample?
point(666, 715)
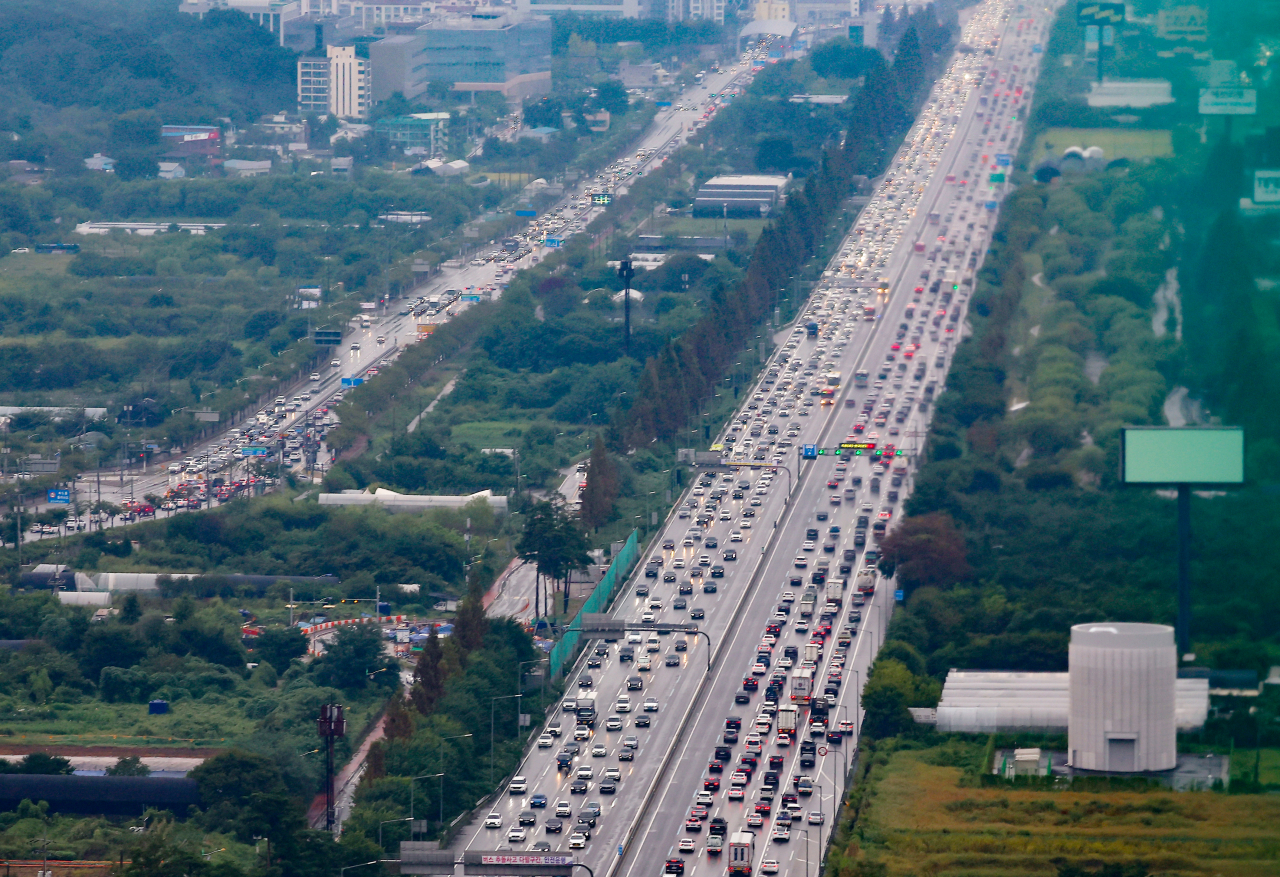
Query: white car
point(493, 820)
point(769, 866)
point(598, 751)
point(586, 772)
point(577, 841)
point(546, 741)
point(623, 705)
point(518, 786)
point(517, 834)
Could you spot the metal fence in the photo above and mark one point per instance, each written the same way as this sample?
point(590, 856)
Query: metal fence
point(562, 653)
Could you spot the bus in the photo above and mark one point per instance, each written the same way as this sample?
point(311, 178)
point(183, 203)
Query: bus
point(833, 378)
point(860, 377)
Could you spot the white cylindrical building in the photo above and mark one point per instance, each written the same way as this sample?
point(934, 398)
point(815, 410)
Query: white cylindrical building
point(1122, 702)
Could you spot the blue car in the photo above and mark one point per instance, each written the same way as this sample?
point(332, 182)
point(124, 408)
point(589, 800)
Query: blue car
point(538, 801)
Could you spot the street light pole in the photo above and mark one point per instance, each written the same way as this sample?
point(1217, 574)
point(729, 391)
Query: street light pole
point(425, 776)
point(444, 740)
point(493, 704)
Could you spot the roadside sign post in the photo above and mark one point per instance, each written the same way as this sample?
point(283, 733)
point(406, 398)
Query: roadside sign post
point(1181, 456)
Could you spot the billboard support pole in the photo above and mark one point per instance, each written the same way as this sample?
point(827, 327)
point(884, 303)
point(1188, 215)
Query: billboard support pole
point(1184, 571)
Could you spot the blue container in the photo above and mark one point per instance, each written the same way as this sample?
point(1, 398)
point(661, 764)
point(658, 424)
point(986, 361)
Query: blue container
point(158, 707)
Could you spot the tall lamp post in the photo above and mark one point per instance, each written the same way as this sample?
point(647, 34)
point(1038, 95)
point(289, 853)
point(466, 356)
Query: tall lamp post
point(444, 740)
point(493, 703)
point(425, 776)
point(807, 849)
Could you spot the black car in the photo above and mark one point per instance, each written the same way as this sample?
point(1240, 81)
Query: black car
point(641, 721)
point(708, 587)
point(625, 754)
point(668, 576)
point(671, 661)
point(821, 516)
point(642, 590)
point(626, 653)
point(585, 682)
point(730, 735)
point(608, 787)
point(717, 571)
point(682, 645)
point(742, 697)
point(527, 817)
point(578, 787)
point(730, 554)
point(711, 542)
point(601, 650)
point(541, 847)
point(593, 663)
point(586, 819)
point(686, 587)
point(650, 572)
point(635, 683)
point(673, 866)
point(679, 603)
point(695, 612)
point(553, 826)
point(751, 683)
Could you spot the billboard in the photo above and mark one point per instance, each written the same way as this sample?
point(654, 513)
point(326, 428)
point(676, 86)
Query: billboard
point(1092, 12)
point(1183, 23)
point(426, 328)
point(329, 336)
point(60, 496)
point(1228, 101)
point(1182, 455)
point(1266, 187)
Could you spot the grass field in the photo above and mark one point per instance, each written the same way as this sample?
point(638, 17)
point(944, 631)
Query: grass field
point(212, 721)
point(920, 819)
point(1115, 142)
point(700, 226)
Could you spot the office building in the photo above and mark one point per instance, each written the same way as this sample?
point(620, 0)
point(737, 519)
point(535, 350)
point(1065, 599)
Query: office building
point(273, 15)
point(709, 10)
point(608, 8)
point(337, 83)
point(478, 52)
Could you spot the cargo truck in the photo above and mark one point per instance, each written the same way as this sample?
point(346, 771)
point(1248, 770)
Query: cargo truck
point(802, 685)
point(808, 600)
point(788, 717)
point(741, 853)
point(586, 709)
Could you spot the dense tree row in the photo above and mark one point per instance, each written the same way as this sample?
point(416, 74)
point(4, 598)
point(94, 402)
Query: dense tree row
point(688, 368)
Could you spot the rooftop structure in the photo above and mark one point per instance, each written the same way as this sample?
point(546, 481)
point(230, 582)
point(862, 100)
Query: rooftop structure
point(739, 195)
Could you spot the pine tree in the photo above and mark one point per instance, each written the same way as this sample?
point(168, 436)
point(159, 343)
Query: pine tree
point(398, 724)
point(429, 675)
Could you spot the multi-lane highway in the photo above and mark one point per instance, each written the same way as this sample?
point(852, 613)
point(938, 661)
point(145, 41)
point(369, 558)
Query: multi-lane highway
point(360, 348)
point(864, 363)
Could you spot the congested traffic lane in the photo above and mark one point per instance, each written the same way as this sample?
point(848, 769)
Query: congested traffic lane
point(675, 688)
point(664, 826)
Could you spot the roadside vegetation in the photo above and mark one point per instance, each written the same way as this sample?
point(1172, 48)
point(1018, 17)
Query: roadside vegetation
point(1102, 293)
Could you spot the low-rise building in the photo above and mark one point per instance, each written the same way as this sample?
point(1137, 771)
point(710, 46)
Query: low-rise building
point(238, 167)
point(739, 195)
point(100, 162)
point(1135, 93)
point(270, 14)
point(418, 133)
point(171, 170)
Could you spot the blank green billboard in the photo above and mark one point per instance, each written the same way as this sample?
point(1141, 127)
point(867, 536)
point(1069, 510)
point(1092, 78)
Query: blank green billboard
point(1178, 455)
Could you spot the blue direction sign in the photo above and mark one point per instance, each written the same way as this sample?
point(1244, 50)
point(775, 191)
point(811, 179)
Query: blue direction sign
point(471, 297)
point(809, 452)
point(1037, 48)
point(1004, 159)
point(60, 496)
point(254, 452)
point(553, 243)
point(352, 382)
point(898, 595)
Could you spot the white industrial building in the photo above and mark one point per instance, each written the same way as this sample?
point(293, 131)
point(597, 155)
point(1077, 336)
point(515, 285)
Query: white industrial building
point(1120, 702)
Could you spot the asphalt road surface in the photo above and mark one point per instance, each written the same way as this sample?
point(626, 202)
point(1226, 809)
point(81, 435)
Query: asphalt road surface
point(941, 169)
